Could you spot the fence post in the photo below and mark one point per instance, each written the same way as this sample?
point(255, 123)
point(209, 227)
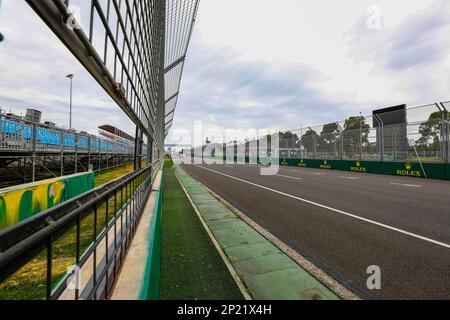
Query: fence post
point(314, 147)
point(34, 151)
point(360, 137)
point(99, 155)
point(335, 148)
point(89, 153)
point(301, 142)
point(382, 143)
point(342, 144)
point(257, 151)
point(62, 153)
point(394, 139)
point(76, 152)
point(293, 146)
point(448, 138)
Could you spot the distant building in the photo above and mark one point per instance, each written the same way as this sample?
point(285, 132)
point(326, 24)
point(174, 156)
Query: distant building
point(50, 124)
point(115, 134)
point(33, 115)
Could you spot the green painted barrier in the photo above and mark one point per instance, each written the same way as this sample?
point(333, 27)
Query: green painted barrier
point(252, 160)
point(150, 289)
point(405, 169)
point(21, 202)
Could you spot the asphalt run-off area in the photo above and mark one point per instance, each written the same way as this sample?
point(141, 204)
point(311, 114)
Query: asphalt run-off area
point(346, 222)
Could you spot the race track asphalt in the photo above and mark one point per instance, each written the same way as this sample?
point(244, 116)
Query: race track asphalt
point(345, 222)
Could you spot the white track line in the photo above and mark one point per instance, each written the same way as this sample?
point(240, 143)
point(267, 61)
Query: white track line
point(283, 176)
point(407, 185)
point(350, 178)
point(442, 244)
point(317, 173)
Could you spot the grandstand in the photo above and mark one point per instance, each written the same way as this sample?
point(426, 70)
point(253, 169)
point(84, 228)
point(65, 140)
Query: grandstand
point(31, 151)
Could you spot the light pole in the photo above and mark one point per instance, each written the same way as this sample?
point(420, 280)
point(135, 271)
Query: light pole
point(70, 77)
point(301, 141)
point(1, 35)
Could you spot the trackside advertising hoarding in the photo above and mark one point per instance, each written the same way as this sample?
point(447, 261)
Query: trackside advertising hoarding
point(21, 202)
point(405, 169)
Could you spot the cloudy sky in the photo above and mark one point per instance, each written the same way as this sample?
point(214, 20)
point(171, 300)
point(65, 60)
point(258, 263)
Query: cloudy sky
point(33, 69)
point(255, 63)
point(260, 63)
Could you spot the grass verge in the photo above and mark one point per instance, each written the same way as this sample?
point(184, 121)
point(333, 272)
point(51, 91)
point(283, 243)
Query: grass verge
point(106, 176)
point(191, 267)
point(28, 283)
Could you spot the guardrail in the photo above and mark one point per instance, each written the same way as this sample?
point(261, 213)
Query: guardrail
point(94, 230)
point(22, 135)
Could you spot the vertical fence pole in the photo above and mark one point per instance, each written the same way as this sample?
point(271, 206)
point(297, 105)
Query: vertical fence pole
point(150, 156)
point(99, 155)
point(360, 137)
point(257, 151)
point(136, 143)
point(141, 142)
point(34, 152)
point(89, 153)
point(62, 153)
point(335, 148)
point(76, 152)
point(382, 142)
point(394, 139)
point(314, 146)
point(448, 138)
point(292, 155)
point(301, 142)
point(443, 144)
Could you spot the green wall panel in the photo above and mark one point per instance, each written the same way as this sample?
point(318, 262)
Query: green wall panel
point(21, 202)
point(407, 169)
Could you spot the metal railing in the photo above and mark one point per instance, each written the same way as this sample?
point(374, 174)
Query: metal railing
point(124, 48)
point(22, 135)
point(83, 240)
point(423, 135)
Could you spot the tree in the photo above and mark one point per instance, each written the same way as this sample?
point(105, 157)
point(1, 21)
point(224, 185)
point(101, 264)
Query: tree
point(330, 128)
point(288, 139)
point(308, 140)
point(356, 130)
point(330, 135)
point(430, 131)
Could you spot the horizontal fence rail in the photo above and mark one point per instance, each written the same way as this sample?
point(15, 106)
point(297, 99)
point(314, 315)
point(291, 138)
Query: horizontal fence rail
point(84, 240)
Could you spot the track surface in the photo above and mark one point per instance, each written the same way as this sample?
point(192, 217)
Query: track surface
point(346, 222)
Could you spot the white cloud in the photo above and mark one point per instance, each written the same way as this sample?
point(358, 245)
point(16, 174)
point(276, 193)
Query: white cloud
point(330, 78)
